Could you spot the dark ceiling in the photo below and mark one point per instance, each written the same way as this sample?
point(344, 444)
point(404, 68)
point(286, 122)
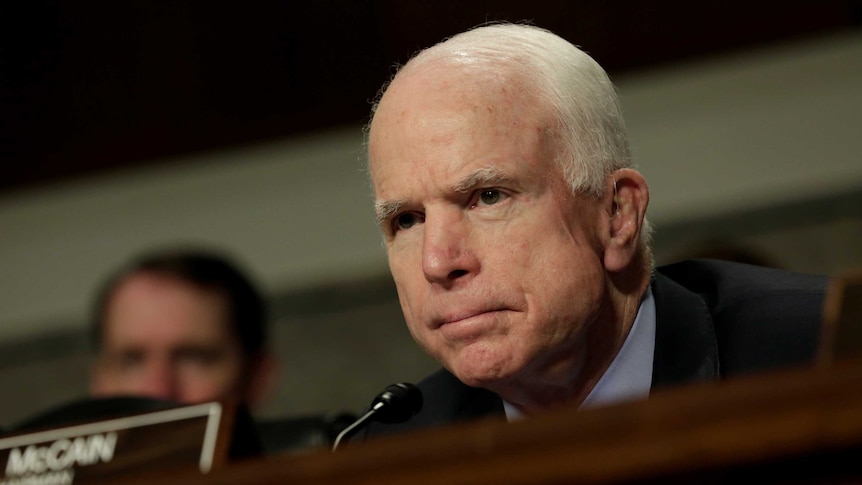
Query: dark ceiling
point(91, 86)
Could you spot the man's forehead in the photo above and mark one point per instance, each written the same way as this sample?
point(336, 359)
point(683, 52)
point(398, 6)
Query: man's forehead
point(139, 289)
point(475, 93)
point(148, 296)
point(439, 101)
point(443, 78)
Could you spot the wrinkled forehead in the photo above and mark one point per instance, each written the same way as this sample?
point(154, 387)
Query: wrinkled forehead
point(429, 83)
point(467, 92)
point(465, 76)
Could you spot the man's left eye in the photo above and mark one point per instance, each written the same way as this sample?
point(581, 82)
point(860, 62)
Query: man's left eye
point(490, 197)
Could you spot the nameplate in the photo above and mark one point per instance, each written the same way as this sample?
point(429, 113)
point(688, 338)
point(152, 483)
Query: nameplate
point(174, 438)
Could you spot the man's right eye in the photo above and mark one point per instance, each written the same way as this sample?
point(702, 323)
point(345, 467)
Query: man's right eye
point(406, 221)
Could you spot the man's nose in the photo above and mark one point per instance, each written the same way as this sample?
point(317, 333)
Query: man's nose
point(446, 253)
point(159, 381)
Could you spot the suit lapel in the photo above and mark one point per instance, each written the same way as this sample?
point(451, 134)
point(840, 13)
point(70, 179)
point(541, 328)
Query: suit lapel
point(686, 349)
point(451, 400)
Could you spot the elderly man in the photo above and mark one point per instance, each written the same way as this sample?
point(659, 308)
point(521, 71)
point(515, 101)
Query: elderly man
point(516, 235)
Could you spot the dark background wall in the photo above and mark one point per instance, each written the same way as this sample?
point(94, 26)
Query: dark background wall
point(101, 85)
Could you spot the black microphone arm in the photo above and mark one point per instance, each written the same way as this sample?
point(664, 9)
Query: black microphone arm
point(396, 404)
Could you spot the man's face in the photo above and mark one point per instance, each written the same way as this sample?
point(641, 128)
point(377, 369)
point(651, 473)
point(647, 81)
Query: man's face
point(166, 339)
point(498, 265)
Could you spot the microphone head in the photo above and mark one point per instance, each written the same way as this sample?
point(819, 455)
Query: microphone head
point(397, 403)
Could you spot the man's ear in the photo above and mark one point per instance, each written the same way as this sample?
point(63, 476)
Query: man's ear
point(262, 379)
point(625, 202)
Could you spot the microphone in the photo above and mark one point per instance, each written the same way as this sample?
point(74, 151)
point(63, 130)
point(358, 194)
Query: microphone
point(396, 404)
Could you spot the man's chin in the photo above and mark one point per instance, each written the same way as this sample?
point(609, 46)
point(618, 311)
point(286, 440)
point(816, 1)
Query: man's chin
point(483, 376)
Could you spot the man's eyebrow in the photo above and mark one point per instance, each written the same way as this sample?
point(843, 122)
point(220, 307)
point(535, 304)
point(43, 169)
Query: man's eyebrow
point(479, 178)
point(383, 209)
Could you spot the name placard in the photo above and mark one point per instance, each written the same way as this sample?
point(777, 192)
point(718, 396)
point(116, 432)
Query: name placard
point(174, 438)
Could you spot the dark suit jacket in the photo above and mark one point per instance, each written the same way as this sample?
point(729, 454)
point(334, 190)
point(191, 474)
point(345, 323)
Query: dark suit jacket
point(714, 319)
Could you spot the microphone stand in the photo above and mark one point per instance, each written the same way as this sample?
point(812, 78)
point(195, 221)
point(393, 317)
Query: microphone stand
point(348, 431)
point(396, 404)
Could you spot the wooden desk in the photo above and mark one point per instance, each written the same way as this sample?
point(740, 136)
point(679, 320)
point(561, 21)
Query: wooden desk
point(794, 426)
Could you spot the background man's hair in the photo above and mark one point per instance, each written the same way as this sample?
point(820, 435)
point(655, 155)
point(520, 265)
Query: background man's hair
point(204, 269)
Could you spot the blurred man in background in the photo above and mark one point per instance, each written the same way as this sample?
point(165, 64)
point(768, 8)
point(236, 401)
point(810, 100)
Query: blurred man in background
point(189, 326)
point(185, 326)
